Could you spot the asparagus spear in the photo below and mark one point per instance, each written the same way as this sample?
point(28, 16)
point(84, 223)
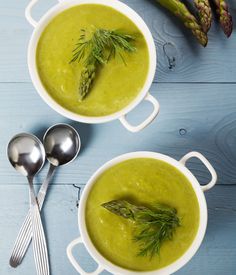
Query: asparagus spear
point(153, 226)
point(87, 76)
point(181, 11)
point(205, 13)
point(92, 52)
point(226, 20)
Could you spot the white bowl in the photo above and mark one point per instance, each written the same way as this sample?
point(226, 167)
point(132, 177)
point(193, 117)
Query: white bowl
point(103, 263)
point(144, 93)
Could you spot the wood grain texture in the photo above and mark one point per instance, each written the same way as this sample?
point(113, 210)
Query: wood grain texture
point(216, 255)
point(190, 119)
point(192, 63)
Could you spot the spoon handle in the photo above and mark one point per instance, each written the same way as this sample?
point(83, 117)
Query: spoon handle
point(39, 240)
point(25, 234)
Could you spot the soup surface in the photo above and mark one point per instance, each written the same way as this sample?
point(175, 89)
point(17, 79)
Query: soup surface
point(116, 83)
point(141, 181)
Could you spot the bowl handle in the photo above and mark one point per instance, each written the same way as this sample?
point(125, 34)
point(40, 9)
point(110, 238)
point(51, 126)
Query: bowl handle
point(75, 263)
point(206, 163)
point(28, 12)
point(148, 120)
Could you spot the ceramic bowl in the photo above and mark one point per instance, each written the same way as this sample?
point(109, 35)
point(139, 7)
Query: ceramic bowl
point(144, 92)
point(103, 263)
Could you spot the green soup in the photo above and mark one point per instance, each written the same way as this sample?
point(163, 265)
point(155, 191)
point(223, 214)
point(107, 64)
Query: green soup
point(142, 181)
point(115, 86)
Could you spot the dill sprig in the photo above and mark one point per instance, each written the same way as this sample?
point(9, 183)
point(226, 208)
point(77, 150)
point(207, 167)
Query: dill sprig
point(96, 50)
point(153, 225)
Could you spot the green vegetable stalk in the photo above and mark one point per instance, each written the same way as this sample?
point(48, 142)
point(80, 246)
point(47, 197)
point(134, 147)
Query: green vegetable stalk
point(205, 13)
point(96, 50)
point(87, 76)
point(189, 20)
point(153, 225)
point(225, 17)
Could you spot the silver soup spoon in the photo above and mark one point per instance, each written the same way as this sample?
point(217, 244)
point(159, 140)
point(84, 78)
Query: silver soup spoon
point(27, 156)
point(62, 145)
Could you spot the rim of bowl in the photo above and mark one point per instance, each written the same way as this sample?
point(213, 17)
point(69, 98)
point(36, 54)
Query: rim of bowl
point(189, 253)
point(32, 66)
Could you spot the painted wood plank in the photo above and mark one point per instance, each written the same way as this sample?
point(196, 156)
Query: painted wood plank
point(216, 255)
point(216, 63)
point(190, 119)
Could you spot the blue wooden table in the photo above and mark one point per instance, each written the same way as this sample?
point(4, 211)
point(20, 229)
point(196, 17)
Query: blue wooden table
point(196, 88)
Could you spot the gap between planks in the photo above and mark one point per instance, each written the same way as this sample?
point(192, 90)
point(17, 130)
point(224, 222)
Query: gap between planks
point(154, 82)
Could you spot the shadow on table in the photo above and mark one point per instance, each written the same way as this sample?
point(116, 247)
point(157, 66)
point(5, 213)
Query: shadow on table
point(222, 215)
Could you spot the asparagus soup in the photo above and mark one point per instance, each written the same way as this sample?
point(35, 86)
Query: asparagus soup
point(132, 191)
point(84, 78)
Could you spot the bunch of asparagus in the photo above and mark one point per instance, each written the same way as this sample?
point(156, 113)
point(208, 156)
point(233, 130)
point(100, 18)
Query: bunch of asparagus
point(200, 27)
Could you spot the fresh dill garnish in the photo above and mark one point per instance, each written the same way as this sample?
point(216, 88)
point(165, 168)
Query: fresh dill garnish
point(97, 49)
point(153, 225)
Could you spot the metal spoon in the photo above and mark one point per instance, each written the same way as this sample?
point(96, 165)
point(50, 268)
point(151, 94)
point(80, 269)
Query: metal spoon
point(27, 156)
point(62, 145)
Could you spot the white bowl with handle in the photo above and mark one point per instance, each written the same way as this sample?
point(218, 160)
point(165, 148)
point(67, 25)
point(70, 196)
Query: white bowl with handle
point(103, 263)
point(144, 92)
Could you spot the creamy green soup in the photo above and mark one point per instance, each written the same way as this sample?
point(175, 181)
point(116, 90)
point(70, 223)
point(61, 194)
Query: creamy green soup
point(115, 86)
point(142, 181)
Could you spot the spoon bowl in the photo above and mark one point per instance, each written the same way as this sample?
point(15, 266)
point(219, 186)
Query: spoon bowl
point(62, 144)
point(26, 154)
